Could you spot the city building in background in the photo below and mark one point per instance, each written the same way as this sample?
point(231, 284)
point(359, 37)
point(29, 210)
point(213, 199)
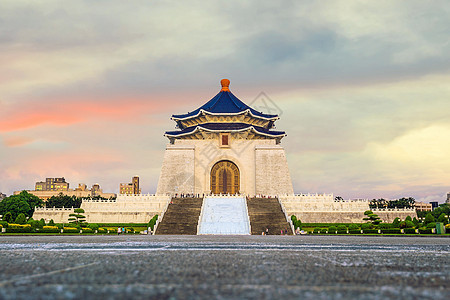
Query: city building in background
point(448, 198)
point(422, 206)
point(52, 184)
point(434, 205)
point(131, 188)
point(2, 196)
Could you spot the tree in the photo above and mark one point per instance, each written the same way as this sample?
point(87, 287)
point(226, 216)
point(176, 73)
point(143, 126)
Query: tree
point(443, 219)
point(8, 217)
point(77, 217)
point(21, 219)
point(396, 223)
point(429, 218)
point(21, 203)
point(372, 218)
point(62, 200)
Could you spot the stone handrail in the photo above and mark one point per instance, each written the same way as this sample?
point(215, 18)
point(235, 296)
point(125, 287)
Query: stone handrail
point(393, 209)
point(201, 215)
point(53, 209)
point(286, 216)
point(161, 216)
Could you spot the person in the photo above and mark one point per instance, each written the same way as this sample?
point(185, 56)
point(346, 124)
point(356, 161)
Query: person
point(267, 231)
point(119, 231)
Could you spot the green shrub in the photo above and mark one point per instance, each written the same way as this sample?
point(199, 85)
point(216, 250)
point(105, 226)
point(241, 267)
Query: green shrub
point(353, 227)
point(355, 231)
point(425, 230)
point(93, 226)
point(21, 219)
point(385, 226)
point(367, 226)
point(129, 229)
point(443, 219)
point(332, 229)
point(342, 229)
point(391, 231)
point(431, 225)
point(396, 223)
point(87, 230)
point(370, 230)
point(71, 230)
point(316, 230)
point(8, 217)
point(409, 224)
point(102, 230)
point(410, 231)
point(50, 229)
point(293, 219)
point(429, 218)
point(51, 223)
point(408, 218)
point(19, 228)
point(4, 224)
point(152, 221)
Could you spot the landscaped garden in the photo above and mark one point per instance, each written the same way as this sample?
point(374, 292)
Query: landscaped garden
point(373, 225)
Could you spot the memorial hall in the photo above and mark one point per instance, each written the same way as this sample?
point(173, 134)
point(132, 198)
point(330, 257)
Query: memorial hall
point(224, 172)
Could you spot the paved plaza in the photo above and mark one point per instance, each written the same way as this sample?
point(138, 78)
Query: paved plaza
point(224, 267)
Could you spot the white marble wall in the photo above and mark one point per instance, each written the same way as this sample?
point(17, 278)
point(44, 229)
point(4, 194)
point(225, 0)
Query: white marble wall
point(262, 165)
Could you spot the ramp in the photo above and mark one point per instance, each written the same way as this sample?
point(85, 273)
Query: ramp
point(224, 215)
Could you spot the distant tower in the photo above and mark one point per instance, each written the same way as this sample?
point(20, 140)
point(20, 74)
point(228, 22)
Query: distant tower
point(448, 198)
point(135, 182)
point(131, 188)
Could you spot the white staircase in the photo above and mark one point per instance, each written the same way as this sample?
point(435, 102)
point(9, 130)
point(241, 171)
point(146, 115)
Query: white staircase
point(224, 215)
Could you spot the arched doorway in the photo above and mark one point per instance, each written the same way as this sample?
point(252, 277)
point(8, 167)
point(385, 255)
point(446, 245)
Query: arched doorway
point(225, 178)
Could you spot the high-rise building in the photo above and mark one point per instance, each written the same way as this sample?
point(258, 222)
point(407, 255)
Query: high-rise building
point(434, 205)
point(448, 198)
point(2, 196)
point(131, 188)
point(52, 184)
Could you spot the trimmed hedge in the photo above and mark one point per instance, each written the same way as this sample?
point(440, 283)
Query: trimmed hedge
point(370, 230)
point(50, 229)
point(342, 231)
point(316, 230)
point(87, 230)
point(425, 231)
point(391, 230)
point(355, 231)
point(15, 228)
point(102, 230)
point(71, 230)
point(410, 230)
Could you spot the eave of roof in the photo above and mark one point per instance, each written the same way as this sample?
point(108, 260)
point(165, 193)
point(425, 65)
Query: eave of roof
point(225, 127)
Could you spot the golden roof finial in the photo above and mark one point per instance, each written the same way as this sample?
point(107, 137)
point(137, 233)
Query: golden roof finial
point(225, 85)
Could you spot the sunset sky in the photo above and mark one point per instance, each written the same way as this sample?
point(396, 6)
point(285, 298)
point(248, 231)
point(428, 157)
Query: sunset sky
point(87, 88)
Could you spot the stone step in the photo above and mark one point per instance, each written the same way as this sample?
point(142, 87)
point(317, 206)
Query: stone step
point(181, 217)
point(267, 213)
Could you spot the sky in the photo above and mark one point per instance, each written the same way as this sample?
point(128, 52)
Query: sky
point(362, 88)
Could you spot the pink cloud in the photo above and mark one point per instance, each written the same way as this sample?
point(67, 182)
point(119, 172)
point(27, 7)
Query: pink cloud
point(69, 111)
point(17, 141)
